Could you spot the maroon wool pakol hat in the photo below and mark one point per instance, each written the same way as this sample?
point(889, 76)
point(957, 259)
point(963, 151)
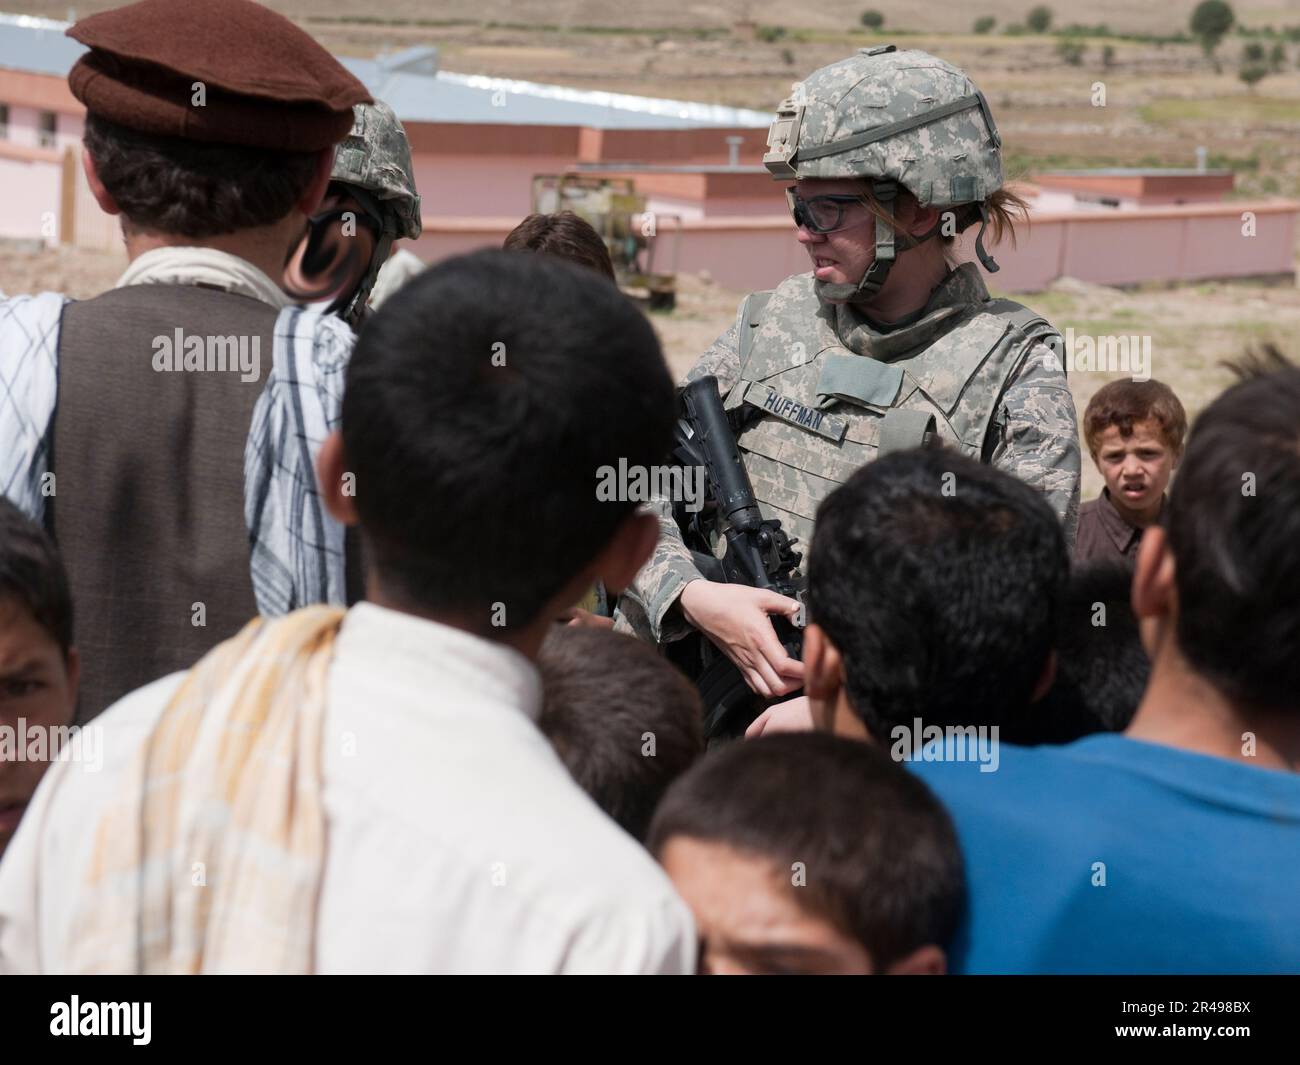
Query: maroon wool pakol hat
point(226, 71)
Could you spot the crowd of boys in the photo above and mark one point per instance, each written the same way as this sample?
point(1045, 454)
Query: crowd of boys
point(1010, 755)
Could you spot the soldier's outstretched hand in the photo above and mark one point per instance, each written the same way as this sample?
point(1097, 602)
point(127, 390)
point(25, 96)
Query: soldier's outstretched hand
point(735, 618)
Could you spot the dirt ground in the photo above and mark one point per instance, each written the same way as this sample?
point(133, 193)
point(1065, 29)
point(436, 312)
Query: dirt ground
point(1193, 328)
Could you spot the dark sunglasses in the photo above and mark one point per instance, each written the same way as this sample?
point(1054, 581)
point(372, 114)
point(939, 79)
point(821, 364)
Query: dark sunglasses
point(820, 214)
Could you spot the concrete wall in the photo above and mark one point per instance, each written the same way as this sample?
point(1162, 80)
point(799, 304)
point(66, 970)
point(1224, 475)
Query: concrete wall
point(460, 186)
point(31, 184)
point(1187, 243)
point(1108, 248)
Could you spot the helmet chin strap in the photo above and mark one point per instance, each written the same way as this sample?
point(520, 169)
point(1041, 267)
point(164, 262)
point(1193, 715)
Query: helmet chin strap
point(351, 307)
point(986, 260)
point(873, 280)
point(353, 311)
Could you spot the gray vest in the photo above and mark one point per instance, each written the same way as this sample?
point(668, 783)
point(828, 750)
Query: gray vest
point(827, 410)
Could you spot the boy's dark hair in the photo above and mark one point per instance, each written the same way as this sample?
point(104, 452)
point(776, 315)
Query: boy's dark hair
point(480, 408)
point(564, 234)
point(1124, 403)
point(32, 574)
point(605, 697)
point(879, 851)
point(1233, 525)
point(939, 581)
point(192, 188)
point(1101, 668)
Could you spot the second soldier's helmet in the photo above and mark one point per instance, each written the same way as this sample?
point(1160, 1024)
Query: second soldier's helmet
point(336, 263)
point(376, 157)
point(898, 119)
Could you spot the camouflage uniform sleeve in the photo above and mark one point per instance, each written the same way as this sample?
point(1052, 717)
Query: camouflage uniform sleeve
point(647, 607)
point(722, 360)
point(1041, 441)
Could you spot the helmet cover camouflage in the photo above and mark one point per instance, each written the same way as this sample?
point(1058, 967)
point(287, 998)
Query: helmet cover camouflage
point(903, 116)
point(376, 157)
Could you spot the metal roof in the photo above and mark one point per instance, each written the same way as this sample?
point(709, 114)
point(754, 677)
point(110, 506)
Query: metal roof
point(36, 45)
point(446, 96)
point(410, 83)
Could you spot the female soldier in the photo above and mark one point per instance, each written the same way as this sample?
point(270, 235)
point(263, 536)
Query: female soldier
point(884, 343)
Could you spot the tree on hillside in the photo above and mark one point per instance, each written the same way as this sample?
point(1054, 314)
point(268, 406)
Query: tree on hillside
point(1254, 66)
point(985, 23)
point(1210, 23)
point(1039, 19)
point(872, 19)
point(1070, 50)
point(1251, 73)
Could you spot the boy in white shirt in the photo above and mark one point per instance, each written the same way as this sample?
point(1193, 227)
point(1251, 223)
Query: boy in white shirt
point(367, 791)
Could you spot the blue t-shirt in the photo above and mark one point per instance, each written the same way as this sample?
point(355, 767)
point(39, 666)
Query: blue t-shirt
point(1111, 855)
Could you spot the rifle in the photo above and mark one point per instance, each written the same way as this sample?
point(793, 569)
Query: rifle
point(758, 553)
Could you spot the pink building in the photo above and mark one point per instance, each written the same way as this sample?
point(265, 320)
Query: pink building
point(1126, 188)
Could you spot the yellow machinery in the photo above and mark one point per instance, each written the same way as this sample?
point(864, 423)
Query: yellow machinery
point(615, 210)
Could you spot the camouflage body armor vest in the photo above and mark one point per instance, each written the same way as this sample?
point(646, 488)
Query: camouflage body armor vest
point(821, 411)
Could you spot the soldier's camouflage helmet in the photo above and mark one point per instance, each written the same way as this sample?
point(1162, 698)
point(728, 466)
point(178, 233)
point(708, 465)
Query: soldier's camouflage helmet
point(376, 157)
point(899, 119)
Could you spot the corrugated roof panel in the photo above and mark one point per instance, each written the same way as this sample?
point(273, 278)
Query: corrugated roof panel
point(452, 97)
point(39, 46)
point(36, 45)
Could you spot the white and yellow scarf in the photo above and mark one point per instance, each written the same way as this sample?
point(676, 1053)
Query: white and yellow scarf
point(210, 859)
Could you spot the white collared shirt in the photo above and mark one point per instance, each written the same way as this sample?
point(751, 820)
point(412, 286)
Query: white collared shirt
point(456, 840)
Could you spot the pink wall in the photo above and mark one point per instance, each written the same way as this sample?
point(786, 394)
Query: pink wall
point(748, 207)
point(444, 237)
point(31, 191)
point(460, 186)
point(1167, 243)
point(1174, 243)
point(740, 253)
